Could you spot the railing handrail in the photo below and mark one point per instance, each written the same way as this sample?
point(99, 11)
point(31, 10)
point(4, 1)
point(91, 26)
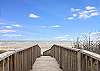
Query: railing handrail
point(10, 52)
point(91, 54)
point(6, 54)
point(75, 49)
point(19, 59)
point(88, 53)
point(72, 59)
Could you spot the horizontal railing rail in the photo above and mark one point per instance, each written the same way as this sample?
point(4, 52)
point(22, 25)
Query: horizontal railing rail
point(72, 59)
point(19, 59)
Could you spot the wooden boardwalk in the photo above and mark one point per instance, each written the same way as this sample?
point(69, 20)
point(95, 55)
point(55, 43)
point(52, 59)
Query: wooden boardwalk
point(46, 63)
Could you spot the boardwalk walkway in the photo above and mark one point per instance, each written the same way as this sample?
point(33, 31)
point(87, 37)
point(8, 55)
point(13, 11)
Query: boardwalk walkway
point(46, 63)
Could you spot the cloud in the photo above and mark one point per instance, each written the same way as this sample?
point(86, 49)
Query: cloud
point(94, 14)
point(74, 10)
point(31, 15)
point(88, 12)
point(56, 26)
point(74, 15)
point(11, 26)
point(12, 35)
point(7, 31)
point(70, 18)
point(63, 37)
point(66, 35)
point(89, 8)
point(83, 15)
point(8, 27)
point(17, 25)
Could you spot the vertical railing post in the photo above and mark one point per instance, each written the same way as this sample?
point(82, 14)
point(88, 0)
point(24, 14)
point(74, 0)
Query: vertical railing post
point(19, 59)
point(1, 65)
point(86, 62)
point(97, 65)
point(4, 65)
point(15, 62)
point(91, 60)
point(75, 61)
point(78, 61)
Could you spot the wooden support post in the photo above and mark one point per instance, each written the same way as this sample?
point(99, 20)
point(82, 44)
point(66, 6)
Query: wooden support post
point(97, 65)
point(79, 61)
point(14, 59)
point(68, 60)
point(8, 63)
point(75, 61)
point(59, 55)
point(71, 60)
point(1, 65)
point(91, 60)
point(86, 63)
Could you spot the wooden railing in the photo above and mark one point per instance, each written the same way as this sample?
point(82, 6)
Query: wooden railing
point(20, 59)
point(72, 59)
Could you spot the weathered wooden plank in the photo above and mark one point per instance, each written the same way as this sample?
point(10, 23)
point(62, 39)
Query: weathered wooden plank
point(46, 63)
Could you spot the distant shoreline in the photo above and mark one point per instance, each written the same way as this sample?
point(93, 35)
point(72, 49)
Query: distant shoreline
point(35, 40)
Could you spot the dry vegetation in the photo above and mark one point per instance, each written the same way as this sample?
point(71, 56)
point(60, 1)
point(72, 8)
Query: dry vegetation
point(88, 44)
